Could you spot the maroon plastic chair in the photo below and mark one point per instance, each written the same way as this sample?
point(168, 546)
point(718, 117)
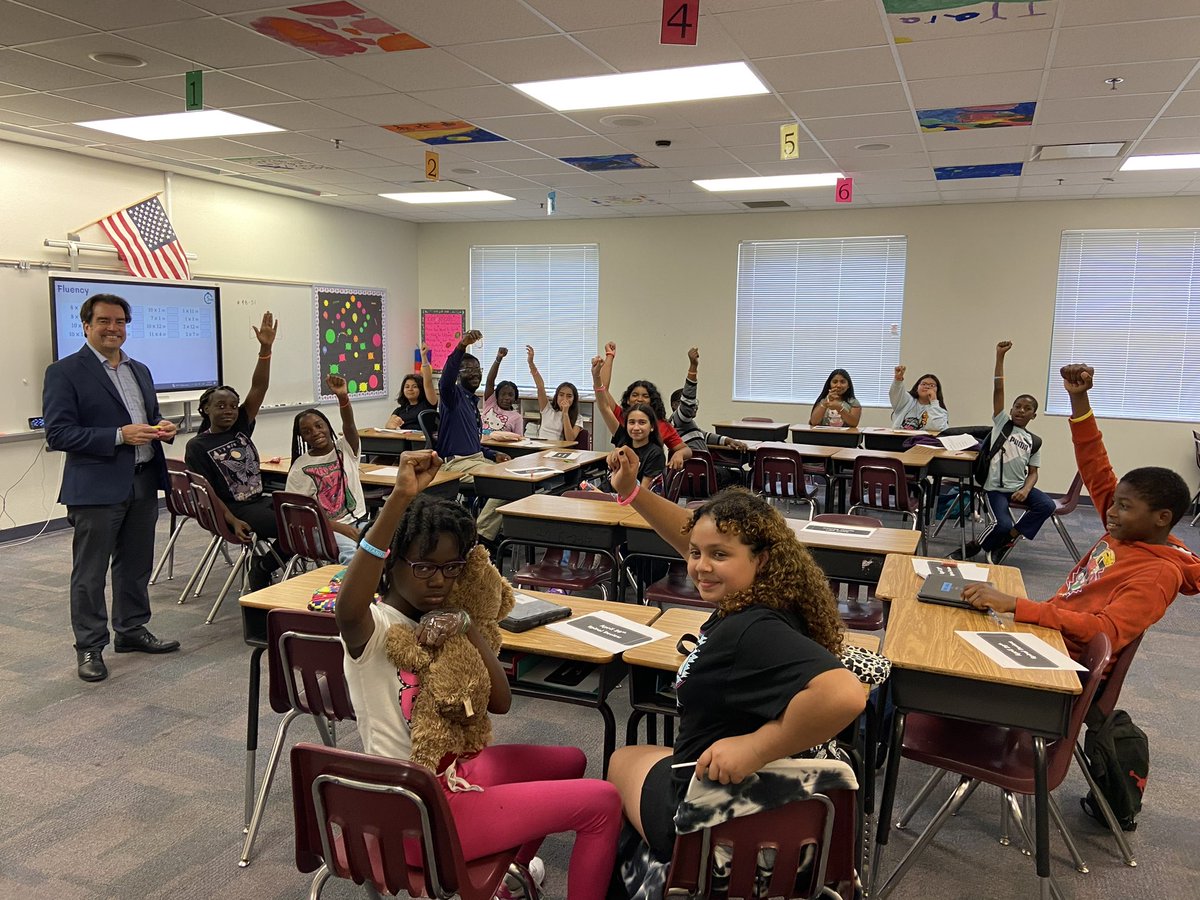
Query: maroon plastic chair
point(304, 532)
point(304, 660)
point(778, 474)
point(1063, 506)
point(568, 569)
point(697, 480)
point(384, 822)
point(583, 440)
point(991, 754)
point(1196, 498)
point(676, 588)
point(880, 483)
point(181, 507)
point(210, 513)
point(858, 607)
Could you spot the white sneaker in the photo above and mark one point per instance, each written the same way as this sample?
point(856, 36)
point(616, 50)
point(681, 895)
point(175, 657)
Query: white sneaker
point(537, 870)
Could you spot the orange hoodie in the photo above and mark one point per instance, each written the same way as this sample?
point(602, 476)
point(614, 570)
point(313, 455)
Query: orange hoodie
point(1118, 587)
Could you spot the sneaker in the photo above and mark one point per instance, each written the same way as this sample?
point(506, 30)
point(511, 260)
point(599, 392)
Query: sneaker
point(996, 556)
point(537, 870)
point(512, 889)
point(971, 552)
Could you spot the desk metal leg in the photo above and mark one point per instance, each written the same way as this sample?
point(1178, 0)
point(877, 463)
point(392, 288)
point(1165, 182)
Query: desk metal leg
point(610, 734)
point(252, 731)
point(888, 799)
point(1041, 815)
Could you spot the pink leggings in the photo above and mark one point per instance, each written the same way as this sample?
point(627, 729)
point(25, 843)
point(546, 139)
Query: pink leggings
point(532, 791)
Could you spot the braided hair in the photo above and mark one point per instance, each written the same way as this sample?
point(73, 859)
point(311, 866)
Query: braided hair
point(516, 393)
point(205, 424)
point(423, 522)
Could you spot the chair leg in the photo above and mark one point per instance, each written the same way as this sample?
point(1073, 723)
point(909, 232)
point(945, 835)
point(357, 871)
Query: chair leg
point(209, 551)
point(212, 561)
point(322, 876)
point(239, 568)
point(1105, 810)
point(922, 795)
point(1015, 806)
point(265, 788)
point(1005, 817)
point(168, 554)
point(925, 837)
point(1062, 532)
point(1056, 817)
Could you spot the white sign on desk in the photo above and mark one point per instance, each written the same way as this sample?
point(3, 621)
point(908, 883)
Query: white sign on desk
point(965, 570)
point(826, 528)
point(386, 471)
point(608, 631)
point(534, 472)
point(1019, 650)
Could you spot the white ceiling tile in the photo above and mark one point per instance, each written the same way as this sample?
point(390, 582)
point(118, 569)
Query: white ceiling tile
point(488, 100)
point(8, 90)
point(542, 166)
point(768, 153)
point(1057, 167)
point(591, 145)
point(734, 111)
point(852, 101)
point(214, 42)
point(40, 74)
point(635, 48)
point(1099, 12)
point(644, 139)
point(75, 51)
point(313, 79)
point(659, 117)
point(127, 97)
point(705, 158)
point(1094, 45)
point(976, 90)
point(862, 126)
point(346, 158)
point(1182, 127)
point(494, 151)
point(214, 148)
point(297, 116)
point(893, 186)
point(1186, 104)
point(1140, 78)
point(23, 25)
point(1006, 193)
point(973, 138)
point(58, 109)
point(223, 7)
point(383, 109)
point(1167, 145)
point(1057, 193)
point(900, 143)
point(862, 163)
point(818, 71)
point(8, 117)
point(462, 21)
point(1089, 133)
point(361, 137)
point(530, 59)
point(410, 152)
point(982, 157)
point(520, 128)
point(1100, 109)
point(109, 15)
point(968, 56)
point(416, 70)
point(221, 90)
point(792, 167)
point(580, 15)
point(807, 27)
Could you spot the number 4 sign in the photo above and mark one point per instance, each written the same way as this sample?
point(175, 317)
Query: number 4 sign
point(680, 22)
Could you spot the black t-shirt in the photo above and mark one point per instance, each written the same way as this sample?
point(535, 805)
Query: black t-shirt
point(652, 463)
point(408, 414)
point(229, 460)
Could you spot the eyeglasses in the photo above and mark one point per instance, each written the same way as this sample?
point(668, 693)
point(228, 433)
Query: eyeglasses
point(425, 570)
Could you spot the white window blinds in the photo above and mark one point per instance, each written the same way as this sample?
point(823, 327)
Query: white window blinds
point(807, 307)
point(1128, 303)
point(545, 295)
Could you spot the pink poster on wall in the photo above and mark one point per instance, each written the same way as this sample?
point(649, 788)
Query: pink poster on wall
point(441, 330)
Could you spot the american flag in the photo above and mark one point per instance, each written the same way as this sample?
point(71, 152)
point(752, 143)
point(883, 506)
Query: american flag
point(147, 242)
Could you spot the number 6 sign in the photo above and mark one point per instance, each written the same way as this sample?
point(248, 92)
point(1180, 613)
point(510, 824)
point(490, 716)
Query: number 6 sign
point(844, 192)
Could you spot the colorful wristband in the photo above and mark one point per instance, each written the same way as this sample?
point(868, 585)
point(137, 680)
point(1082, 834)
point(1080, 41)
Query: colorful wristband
point(374, 551)
point(1087, 415)
point(268, 356)
point(625, 501)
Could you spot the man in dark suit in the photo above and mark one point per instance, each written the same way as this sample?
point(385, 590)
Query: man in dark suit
point(99, 405)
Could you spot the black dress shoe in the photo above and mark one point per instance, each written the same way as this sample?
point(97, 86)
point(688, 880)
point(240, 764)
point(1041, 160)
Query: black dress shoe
point(143, 642)
point(91, 665)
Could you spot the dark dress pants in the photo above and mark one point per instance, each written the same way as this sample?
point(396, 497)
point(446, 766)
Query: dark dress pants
point(122, 534)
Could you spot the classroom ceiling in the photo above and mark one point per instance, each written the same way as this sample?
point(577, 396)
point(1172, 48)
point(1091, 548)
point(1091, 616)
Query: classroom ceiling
point(852, 73)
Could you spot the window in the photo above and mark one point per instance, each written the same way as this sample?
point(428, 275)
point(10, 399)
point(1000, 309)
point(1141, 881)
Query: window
point(1128, 303)
point(544, 295)
point(807, 307)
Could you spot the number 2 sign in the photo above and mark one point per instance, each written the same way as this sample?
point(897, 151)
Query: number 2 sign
point(680, 22)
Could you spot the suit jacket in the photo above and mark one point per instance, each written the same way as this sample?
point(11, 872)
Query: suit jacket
point(83, 410)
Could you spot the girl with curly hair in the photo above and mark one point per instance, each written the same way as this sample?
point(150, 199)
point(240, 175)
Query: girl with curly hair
point(764, 681)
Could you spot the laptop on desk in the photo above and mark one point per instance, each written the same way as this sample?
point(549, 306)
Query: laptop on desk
point(945, 589)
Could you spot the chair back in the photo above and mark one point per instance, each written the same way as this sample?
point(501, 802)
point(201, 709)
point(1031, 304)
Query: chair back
point(697, 480)
point(601, 496)
point(1196, 438)
point(303, 529)
point(583, 440)
point(1109, 692)
point(1060, 753)
point(1070, 500)
point(856, 521)
point(801, 834)
point(180, 502)
point(305, 659)
point(210, 509)
point(880, 483)
point(779, 473)
point(428, 420)
point(385, 822)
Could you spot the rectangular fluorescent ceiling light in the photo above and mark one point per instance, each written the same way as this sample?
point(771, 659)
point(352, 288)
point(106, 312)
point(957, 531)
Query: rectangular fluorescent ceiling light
point(1080, 151)
point(201, 123)
point(641, 88)
point(447, 197)
point(770, 182)
point(1156, 163)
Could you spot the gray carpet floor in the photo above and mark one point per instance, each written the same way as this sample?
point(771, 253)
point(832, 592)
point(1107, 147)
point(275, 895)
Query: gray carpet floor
point(132, 788)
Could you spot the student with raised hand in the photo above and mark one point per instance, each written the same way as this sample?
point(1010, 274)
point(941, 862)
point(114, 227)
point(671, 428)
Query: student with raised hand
point(560, 419)
point(325, 468)
point(639, 392)
point(764, 681)
point(922, 408)
point(639, 432)
point(503, 795)
point(1129, 577)
point(685, 407)
point(501, 410)
point(836, 406)
point(224, 453)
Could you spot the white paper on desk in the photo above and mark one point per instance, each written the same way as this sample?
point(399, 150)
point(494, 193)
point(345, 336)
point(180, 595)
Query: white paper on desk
point(1019, 650)
point(608, 631)
point(407, 431)
point(536, 470)
point(826, 528)
point(564, 454)
point(968, 571)
point(958, 442)
point(386, 471)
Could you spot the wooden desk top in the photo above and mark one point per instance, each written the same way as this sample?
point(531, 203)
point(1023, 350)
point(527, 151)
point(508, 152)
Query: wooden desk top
point(293, 593)
point(883, 540)
point(366, 473)
point(742, 423)
point(838, 429)
point(919, 455)
point(541, 459)
point(816, 451)
point(566, 509)
point(526, 443)
point(921, 635)
point(398, 434)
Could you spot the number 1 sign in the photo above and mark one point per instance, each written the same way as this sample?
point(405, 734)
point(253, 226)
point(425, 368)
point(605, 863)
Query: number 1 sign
point(680, 22)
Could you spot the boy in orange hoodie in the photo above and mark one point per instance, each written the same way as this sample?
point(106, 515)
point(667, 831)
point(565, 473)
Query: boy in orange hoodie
point(1125, 583)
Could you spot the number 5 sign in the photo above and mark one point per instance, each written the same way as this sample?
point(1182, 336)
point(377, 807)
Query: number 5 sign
point(844, 192)
point(680, 22)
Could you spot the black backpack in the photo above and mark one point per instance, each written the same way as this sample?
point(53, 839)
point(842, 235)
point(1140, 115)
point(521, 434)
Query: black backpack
point(988, 451)
point(1118, 755)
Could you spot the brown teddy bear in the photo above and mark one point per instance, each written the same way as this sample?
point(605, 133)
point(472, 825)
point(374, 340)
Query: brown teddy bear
point(449, 715)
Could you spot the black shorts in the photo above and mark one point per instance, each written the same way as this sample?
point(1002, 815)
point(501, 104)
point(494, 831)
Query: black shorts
point(661, 794)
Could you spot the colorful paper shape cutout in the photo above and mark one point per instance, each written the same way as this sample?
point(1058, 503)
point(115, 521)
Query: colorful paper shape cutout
point(334, 29)
point(989, 170)
point(609, 163)
point(455, 132)
point(963, 118)
point(350, 318)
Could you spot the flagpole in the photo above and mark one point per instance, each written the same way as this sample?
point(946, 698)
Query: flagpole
point(97, 220)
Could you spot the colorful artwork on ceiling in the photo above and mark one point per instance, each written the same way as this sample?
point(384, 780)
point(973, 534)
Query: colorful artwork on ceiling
point(609, 163)
point(351, 340)
point(455, 132)
point(989, 170)
point(916, 20)
point(962, 118)
point(333, 29)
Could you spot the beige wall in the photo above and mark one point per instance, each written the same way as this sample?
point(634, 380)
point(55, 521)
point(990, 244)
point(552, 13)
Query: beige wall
point(233, 231)
point(977, 273)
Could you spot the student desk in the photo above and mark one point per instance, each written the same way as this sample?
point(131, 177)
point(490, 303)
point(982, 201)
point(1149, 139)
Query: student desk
point(525, 446)
point(546, 520)
point(390, 441)
point(889, 438)
point(503, 483)
point(825, 435)
point(935, 671)
point(753, 431)
point(445, 484)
